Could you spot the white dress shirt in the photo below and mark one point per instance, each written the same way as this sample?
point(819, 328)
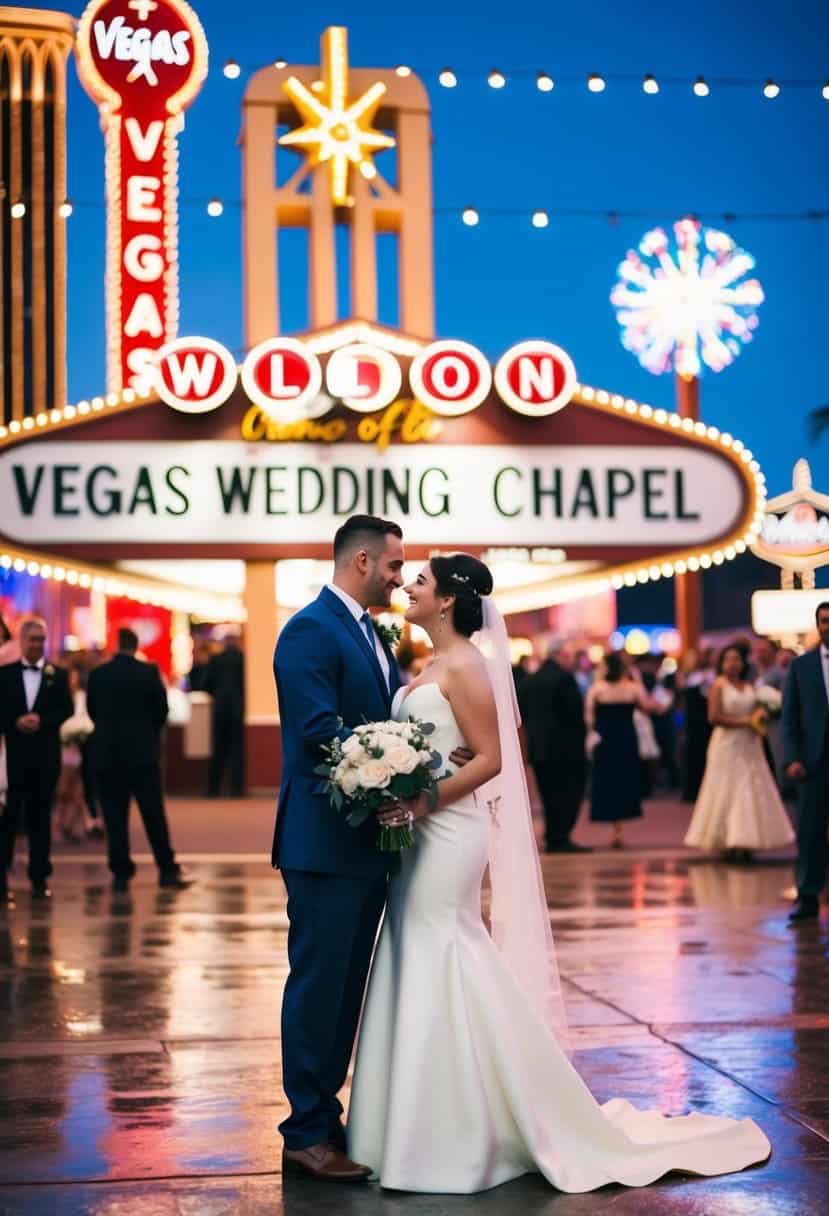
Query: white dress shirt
point(31, 683)
point(357, 611)
point(824, 660)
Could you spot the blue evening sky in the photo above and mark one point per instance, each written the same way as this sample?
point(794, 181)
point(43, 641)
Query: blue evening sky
point(517, 148)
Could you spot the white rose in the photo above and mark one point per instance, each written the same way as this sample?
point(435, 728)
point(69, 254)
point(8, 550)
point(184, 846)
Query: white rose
point(374, 774)
point(388, 741)
point(401, 758)
point(352, 746)
point(349, 781)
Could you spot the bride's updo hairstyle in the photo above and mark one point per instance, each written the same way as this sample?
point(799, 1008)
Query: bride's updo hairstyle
point(468, 579)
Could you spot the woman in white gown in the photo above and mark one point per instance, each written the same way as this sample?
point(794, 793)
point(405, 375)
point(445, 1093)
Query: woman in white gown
point(462, 1079)
point(739, 808)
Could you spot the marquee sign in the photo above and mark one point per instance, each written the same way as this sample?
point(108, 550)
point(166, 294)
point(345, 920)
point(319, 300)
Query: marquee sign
point(267, 459)
point(143, 62)
point(228, 492)
point(285, 379)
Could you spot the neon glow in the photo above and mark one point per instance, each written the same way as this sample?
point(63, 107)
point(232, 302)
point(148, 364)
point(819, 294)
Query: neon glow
point(686, 303)
point(143, 62)
point(336, 132)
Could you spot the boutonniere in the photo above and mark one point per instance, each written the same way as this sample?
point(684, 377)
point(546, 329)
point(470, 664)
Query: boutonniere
point(390, 634)
point(48, 671)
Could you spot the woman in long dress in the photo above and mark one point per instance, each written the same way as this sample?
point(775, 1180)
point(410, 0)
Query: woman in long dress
point(616, 783)
point(462, 1080)
point(739, 809)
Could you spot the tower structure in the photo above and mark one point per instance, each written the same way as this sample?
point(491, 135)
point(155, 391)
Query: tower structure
point(330, 112)
point(34, 46)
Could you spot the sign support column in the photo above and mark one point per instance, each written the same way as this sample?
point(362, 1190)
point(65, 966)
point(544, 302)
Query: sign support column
point(688, 588)
point(261, 720)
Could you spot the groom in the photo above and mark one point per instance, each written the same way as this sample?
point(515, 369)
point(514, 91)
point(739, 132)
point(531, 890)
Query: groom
point(333, 672)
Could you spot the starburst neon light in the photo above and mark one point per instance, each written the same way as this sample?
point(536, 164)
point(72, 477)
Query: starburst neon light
point(686, 303)
point(336, 131)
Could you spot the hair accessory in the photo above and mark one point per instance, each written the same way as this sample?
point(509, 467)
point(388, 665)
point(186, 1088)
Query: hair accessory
point(465, 581)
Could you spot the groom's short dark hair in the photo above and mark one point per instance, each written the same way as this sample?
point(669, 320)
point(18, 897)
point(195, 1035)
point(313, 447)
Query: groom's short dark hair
point(367, 532)
point(822, 607)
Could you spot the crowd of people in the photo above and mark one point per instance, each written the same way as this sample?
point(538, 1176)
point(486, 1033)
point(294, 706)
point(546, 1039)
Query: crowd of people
point(79, 743)
point(738, 734)
point(626, 727)
point(80, 740)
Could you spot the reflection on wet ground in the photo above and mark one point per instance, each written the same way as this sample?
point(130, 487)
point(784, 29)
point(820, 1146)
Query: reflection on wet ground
point(139, 1063)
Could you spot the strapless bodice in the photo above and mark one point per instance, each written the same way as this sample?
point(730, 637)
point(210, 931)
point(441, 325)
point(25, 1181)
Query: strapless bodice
point(427, 703)
point(739, 702)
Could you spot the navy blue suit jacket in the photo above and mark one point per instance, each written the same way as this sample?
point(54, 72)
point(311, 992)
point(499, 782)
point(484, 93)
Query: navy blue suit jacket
point(325, 671)
point(805, 712)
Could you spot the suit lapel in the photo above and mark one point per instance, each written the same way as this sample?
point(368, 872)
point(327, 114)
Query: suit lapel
point(41, 690)
point(339, 608)
point(21, 690)
point(820, 683)
point(394, 669)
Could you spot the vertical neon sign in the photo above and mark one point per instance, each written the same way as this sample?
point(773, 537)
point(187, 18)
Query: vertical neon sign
point(142, 62)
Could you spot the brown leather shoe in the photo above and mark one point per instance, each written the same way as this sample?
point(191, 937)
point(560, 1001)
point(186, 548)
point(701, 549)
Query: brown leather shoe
point(323, 1162)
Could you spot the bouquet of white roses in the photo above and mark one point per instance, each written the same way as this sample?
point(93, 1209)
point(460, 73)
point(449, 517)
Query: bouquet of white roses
point(770, 699)
point(378, 763)
point(769, 705)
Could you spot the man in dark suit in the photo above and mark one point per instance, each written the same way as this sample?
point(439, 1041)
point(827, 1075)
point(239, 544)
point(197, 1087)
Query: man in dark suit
point(806, 762)
point(128, 704)
point(34, 702)
point(332, 672)
point(553, 714)
point(224, 680)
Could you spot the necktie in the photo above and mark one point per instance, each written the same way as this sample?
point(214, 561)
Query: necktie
point(365, 621)
point(30, 667)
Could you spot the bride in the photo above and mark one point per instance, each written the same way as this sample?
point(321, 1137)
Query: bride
point(463, 1079)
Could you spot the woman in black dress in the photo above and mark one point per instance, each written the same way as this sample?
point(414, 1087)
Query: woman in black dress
point(616, 793)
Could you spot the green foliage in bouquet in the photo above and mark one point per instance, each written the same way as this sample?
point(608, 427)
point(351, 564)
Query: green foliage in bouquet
point(378, 764)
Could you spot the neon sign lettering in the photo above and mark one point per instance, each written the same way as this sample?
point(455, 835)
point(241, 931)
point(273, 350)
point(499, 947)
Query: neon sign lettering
point(284, 378)
point(143, 62)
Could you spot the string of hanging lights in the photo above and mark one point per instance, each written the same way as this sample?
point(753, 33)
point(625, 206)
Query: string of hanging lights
point(595, 82)
point(471, 216)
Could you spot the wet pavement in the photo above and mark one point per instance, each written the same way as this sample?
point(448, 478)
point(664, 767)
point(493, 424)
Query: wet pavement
point(139, 1051)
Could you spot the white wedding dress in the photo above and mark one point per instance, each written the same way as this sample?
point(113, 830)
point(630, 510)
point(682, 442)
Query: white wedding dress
point(739, 805)
point(458, 1084)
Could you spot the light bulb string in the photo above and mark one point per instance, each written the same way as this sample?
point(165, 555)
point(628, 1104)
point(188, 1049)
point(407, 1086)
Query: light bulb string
point(610, 215)
point(525, 72)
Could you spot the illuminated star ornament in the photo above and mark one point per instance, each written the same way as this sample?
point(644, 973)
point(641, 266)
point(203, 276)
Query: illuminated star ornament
point(686, 303)
point(337, 132)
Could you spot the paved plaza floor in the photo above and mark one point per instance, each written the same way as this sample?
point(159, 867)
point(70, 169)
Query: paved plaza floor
point(139, 1051)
